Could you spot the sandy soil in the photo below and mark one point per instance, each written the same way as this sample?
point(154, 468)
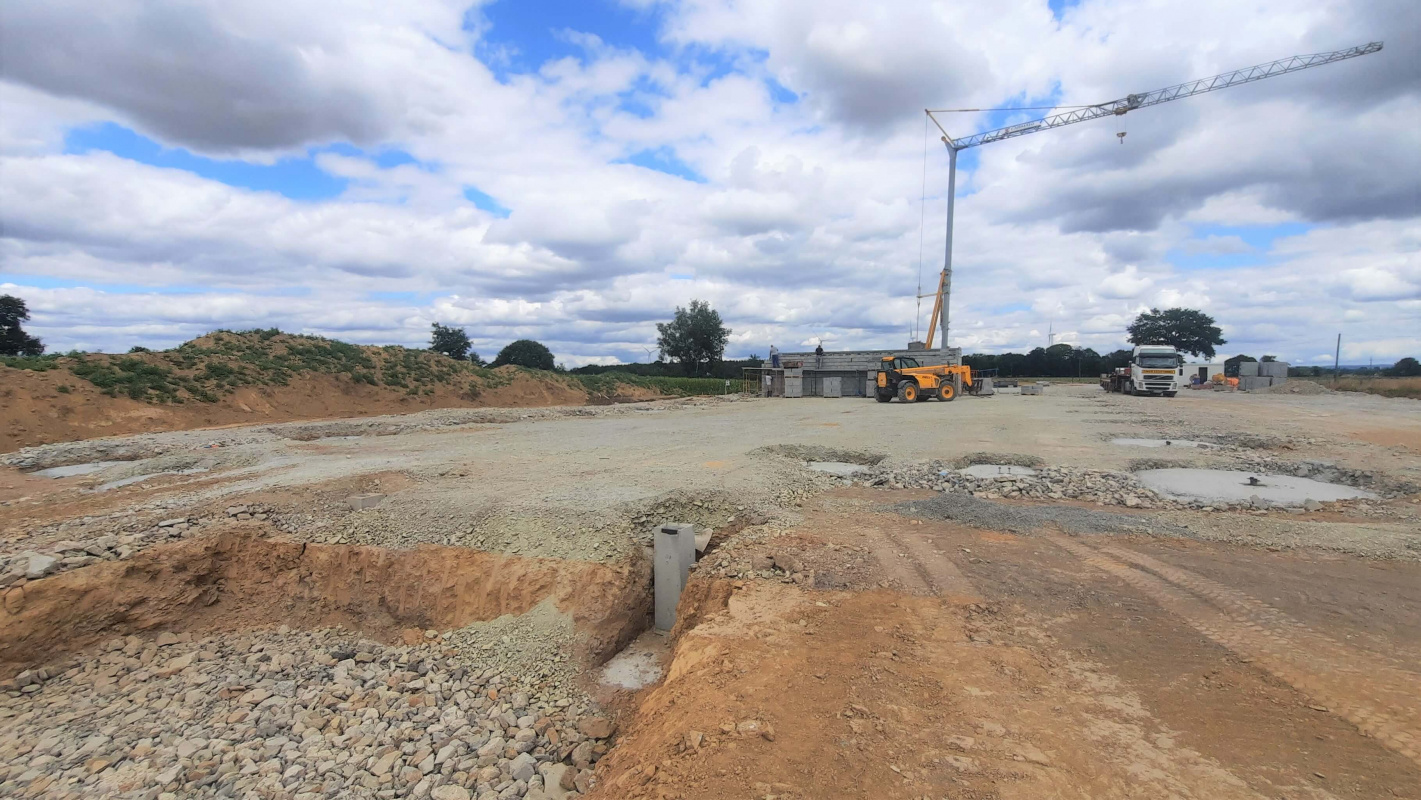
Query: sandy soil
point(888, 653)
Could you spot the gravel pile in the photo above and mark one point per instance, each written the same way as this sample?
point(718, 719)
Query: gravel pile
point(48, 554)
point(1294, 387)
point(292, 715)
point(1049, 483)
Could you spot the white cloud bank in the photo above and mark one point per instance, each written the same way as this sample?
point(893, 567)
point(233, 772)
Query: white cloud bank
point(807, 223)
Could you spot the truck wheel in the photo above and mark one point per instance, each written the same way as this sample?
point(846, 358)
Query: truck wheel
point(1170, 394)
point(908, 392)
point(882, 397)
point(946, 392)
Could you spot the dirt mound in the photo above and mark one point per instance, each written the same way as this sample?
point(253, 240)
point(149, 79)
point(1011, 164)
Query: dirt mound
point(1294, 387)
point(262, 376)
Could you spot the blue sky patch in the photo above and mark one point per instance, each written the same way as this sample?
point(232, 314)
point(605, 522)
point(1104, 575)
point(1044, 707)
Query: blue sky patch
point(485, 202)
point(663, 159)
point(296, 178)
point(1228, 246)
point(525, 34)
point(1059, 7)
point(779, 93)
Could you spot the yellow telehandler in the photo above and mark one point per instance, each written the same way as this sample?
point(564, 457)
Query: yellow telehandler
point(903, 377)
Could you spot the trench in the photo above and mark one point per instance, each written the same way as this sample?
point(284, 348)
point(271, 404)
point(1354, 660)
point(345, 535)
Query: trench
point(241, 581)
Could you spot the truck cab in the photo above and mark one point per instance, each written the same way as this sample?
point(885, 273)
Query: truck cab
point(1153, 369)
point(1156, 369)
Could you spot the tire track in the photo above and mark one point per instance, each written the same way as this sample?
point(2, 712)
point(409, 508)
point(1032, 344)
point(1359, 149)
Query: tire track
point(1379, 699)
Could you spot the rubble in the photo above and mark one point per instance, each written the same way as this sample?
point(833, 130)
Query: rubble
point(289, 714)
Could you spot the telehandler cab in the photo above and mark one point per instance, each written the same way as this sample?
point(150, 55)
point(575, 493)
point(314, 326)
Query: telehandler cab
point(910, 381)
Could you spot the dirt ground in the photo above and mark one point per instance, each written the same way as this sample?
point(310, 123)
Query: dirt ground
point(838, 640)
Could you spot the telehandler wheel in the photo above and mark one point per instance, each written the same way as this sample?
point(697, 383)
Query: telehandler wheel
point(946, 392)
point(908, 392)
point(883, 397)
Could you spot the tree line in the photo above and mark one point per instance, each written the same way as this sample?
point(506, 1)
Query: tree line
point(693, 343)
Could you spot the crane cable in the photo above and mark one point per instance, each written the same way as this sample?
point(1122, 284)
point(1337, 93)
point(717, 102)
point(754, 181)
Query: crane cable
point(922, 225)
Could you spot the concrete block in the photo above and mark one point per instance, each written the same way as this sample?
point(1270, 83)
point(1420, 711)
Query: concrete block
point(985, 388)
point(794, 387)
point(1248, 369)
point(360, 502)
point(1273, 369)
point(1254, 383)
point(673, 553)
point(833, 387)
point(1032, 388)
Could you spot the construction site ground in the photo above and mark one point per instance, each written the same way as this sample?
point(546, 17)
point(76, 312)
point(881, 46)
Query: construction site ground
point(418, 605)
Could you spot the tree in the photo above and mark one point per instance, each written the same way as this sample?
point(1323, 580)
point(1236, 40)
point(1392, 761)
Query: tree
point(452, 342)
point(1406, 368)
point(1268, 359)
point(695, 336)
point(13, 339)
point(526, 353)
point(1187, 330)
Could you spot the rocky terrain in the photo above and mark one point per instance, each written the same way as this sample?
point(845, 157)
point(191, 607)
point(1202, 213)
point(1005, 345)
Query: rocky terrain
point(290, 714)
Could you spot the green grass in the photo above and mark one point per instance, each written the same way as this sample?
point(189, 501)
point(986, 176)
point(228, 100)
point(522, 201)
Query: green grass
point(34, 363)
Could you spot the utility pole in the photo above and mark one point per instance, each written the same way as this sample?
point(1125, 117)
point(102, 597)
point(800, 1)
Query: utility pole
point(1336, 358)
point(1116, 108)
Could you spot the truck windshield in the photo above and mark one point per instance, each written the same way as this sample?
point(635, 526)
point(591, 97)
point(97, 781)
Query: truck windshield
point(1158, 361)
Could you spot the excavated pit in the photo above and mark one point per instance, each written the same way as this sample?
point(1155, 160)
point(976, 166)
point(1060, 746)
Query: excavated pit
point(232, 581)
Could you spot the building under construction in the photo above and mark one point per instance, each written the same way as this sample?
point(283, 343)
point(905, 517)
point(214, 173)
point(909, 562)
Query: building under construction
point(848, 373)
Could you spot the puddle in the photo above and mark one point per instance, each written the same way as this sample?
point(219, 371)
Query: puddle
point(1159, 443)
point(114, 484)
point(1232, 486)
point(72, 470)
point(995, 470)
point(841, 468)
point(640, 664)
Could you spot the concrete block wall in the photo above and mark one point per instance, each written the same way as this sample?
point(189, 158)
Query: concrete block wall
point(1248, 369)
point(864, 360)
point(1273, 369)
point(1251, 383)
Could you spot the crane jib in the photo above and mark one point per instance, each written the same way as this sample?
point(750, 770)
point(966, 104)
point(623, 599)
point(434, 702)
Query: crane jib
point(1177, 92)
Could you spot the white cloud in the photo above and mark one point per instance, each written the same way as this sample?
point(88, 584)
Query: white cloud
point(1126, 284)
point(807, 224)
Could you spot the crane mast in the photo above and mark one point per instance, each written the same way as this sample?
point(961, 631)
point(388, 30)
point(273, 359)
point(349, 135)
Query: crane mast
point(1120, 107)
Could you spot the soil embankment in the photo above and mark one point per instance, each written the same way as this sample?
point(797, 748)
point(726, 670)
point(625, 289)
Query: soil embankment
point(225, 379)
point(33, 411)
point(239, 581)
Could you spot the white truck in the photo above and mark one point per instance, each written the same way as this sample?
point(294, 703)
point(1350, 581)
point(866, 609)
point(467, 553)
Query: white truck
point(1153, 369)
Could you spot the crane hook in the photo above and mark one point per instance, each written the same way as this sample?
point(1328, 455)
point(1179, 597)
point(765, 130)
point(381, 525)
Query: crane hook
point(1121, 136)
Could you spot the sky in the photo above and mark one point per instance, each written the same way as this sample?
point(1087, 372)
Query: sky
point(573, 170)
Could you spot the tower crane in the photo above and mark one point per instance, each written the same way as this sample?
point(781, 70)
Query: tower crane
point(1114, 108)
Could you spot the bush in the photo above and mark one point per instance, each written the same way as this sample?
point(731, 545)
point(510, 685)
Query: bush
point(526, 353)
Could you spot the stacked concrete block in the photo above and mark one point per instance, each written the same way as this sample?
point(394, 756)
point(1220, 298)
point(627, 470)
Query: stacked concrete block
point(1254, 383)
point(1248, 369)
point(833, 387)
point(1277, 370)
point(1032, 388)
